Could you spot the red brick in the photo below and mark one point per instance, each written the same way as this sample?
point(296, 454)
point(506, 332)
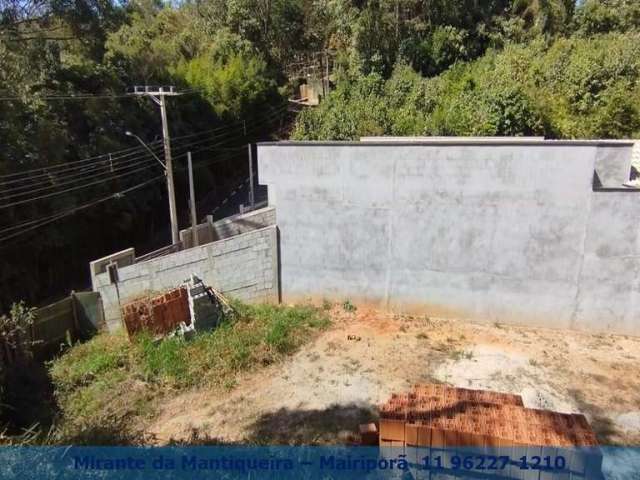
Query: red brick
point(437, 438)
point(391, 429)
point(424, 436)
point(411, 434)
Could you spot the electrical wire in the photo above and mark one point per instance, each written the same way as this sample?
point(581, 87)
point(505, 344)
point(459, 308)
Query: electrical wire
point(80, 171)
point(81, 207)
point(33, 224)
point(96, 172)
point(148, 162)
point(113, 177)
point(126, 152)
point(55, 167)
point(97, 96)
point(71, 189)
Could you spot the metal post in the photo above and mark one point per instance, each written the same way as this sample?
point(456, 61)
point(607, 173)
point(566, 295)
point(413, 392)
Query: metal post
point(192, 202)
point(251, 192)
point(173, 211)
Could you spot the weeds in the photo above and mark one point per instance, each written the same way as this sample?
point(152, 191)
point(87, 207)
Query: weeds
point(458, 355)
point(105, 383)
point(349, 307)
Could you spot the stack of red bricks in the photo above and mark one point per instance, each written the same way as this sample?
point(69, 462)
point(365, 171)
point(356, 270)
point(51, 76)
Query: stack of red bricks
point(158, 315)
point(438, 416)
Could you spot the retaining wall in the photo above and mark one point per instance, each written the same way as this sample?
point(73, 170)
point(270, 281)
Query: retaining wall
point(243, 266)
point(495, 231)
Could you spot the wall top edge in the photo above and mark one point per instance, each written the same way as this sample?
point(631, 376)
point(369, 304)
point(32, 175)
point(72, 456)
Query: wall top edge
point(454, 141)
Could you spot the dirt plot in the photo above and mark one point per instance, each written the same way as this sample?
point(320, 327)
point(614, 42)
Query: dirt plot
point(324, 391)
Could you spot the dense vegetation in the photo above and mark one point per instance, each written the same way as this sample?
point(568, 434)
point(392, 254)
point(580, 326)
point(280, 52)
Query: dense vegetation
point(500, 68)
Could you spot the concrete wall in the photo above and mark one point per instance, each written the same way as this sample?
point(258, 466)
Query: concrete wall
point(121, 259)
point(230, 226)
point(608, 296)
point(613, 166)
point(242, 266)
point(492, 231)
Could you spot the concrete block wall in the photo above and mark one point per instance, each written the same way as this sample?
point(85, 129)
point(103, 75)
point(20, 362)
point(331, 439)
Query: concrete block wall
point(495, 231)
point(121, 259)
point(230, 226)
point(242, 266)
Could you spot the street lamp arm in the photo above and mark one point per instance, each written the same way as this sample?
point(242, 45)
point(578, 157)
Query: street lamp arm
point(129, 134)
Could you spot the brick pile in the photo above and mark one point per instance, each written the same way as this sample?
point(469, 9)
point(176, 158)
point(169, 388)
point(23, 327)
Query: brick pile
point(158, 315)
point(438, 416)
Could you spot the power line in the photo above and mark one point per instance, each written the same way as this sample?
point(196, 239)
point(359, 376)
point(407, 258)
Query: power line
point(113, 177)
point(81, 207)
point(57, 166)
point(111, 172)
point(47, 170)
point(53, 194)
point(96, 172)
point(85, 96)
point(53, 180)
point(107, 166)
point(37, 223)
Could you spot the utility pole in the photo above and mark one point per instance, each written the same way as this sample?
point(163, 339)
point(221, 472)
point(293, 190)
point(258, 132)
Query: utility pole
point(192, 202)
point(158, 95)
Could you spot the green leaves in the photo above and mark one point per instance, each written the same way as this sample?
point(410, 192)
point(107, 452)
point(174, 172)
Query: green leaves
point(233, 84)
point(576, 88)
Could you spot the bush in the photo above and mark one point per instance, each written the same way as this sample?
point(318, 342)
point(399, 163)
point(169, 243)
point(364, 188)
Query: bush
point(233, 83)
point(15, 345)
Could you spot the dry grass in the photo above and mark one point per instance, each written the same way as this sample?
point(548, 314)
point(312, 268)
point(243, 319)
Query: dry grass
point(109, 386)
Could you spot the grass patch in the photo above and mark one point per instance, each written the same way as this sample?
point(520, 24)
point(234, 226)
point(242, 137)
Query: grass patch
point(349, 307)
point(108, 384)
point(458, 355)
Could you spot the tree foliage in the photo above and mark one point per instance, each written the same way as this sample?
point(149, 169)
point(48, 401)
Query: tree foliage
point(553, 73)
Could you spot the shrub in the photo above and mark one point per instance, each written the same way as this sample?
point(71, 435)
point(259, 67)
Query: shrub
point(15, 345)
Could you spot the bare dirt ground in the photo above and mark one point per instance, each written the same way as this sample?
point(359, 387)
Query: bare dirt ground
point(323, 392)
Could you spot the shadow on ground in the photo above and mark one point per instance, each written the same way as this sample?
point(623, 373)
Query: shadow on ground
point(602, 425)
point(334, 425)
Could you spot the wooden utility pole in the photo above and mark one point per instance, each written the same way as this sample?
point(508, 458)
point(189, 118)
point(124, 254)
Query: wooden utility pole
point(158, 95)
point(192, 202)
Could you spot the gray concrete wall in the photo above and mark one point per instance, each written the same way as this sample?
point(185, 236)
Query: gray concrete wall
point(242, 266)
point(230, 226)
point(608, 296)
point(613, 166)
point(491, 231)
point(121, 259)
